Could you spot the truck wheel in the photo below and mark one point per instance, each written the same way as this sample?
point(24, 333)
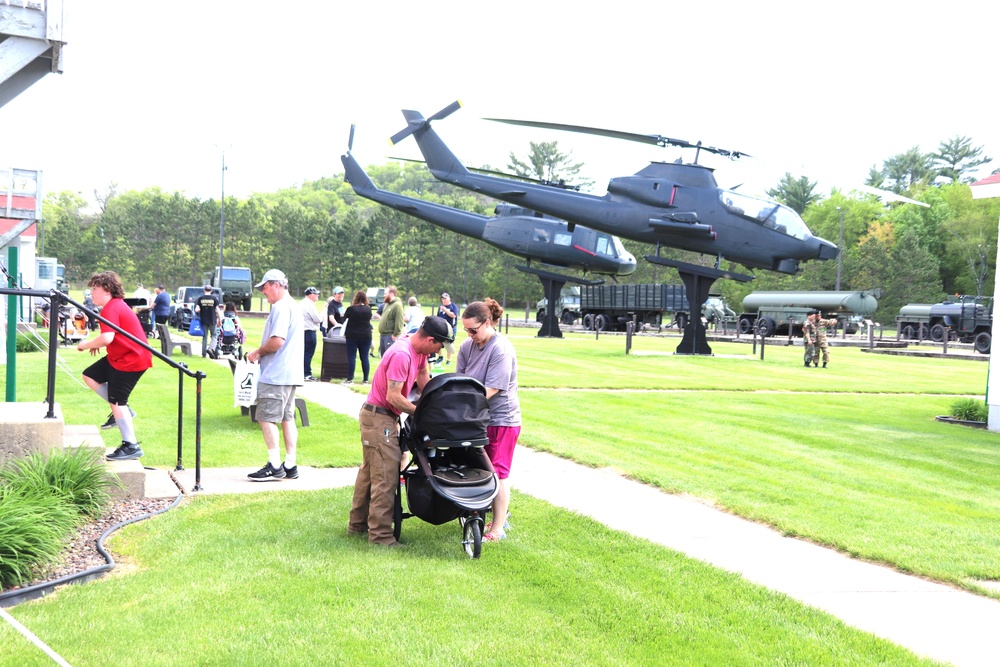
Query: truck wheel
point(937, 332)
point(765, 327)
point(909, 333)
point(983, 342)
point(601, 322)
point(540, 315)
point(745, 325)
point(588, 322)
point(568, 319)
point(246, 304)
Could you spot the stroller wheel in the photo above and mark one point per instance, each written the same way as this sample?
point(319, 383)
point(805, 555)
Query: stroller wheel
point(472, 537)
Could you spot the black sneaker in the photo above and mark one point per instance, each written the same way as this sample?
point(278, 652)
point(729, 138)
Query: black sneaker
point(112, 422)
point(126, 452)
point(269, 473)
point(290, 473)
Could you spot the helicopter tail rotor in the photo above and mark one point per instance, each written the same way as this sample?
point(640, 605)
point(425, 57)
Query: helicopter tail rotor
point(416, 122)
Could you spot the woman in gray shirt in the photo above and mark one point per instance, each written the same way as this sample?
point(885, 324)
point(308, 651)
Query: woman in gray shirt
point(490, 358)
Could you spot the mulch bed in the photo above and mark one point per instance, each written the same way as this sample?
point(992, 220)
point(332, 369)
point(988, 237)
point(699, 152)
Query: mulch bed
point(81, 552)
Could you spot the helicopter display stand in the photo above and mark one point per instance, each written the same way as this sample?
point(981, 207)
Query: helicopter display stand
point(697, 281)
point(552, 284)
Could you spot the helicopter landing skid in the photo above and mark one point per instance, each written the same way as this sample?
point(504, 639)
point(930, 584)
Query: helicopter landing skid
point(552, 284)
point(697, 281)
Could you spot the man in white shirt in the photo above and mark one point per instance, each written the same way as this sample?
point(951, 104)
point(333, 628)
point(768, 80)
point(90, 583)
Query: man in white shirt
point(311, 322)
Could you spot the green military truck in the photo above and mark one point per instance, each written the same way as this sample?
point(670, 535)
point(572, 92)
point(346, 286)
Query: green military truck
point(568, 307)
point(967, 320)
point(235, 284)
point(611, 307)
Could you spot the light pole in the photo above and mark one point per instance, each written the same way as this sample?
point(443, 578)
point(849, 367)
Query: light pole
point(840, 246)
point(222, 218)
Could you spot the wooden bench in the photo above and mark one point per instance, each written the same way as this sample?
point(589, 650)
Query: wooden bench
point(168, 343)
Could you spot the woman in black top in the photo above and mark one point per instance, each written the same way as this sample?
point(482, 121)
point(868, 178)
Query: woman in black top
point(358, 333)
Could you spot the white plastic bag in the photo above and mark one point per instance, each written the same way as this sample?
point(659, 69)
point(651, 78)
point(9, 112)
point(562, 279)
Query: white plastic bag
point(245, 379)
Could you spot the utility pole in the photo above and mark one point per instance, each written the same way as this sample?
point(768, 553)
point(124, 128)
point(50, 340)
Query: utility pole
point(840, 246)
point(222, 218)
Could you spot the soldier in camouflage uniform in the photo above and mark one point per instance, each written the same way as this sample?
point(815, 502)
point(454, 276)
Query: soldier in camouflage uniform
point(821, 343)
point(809, 336)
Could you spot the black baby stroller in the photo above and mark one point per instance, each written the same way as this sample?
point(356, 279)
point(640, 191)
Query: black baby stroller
point(449, 477)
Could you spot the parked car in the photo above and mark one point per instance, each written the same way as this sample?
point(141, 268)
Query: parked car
point(183, 306)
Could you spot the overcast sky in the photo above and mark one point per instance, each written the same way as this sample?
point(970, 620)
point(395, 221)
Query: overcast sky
point(151, 91)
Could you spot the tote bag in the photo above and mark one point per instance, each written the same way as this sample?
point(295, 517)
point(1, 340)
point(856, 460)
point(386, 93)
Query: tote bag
point(245, 378)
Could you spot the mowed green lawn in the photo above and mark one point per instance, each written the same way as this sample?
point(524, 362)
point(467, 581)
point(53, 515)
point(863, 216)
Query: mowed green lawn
point(848, 456)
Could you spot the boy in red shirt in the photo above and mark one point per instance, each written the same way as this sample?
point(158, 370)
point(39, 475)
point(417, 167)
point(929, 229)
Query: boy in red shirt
point(114, 376)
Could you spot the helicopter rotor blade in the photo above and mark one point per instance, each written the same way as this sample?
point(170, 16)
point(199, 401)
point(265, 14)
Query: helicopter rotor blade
point(651, 139)
point(413, 126)
point(350, 139)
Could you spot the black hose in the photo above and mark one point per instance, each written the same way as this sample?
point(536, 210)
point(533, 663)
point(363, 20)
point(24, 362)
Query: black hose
point(15, 597)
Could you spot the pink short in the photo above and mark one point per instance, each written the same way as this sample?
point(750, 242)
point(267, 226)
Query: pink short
point(501, 447)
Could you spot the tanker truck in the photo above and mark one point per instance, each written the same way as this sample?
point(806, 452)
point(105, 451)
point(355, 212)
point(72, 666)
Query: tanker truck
point(970, 319)
point(774, 312)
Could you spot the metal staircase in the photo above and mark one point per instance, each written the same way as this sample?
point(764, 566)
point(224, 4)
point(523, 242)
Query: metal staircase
point(31, 43)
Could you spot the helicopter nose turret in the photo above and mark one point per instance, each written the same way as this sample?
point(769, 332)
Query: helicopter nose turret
point(827, 250)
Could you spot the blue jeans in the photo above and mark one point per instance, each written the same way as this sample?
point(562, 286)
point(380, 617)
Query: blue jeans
point(355, 347)
point(310, 340)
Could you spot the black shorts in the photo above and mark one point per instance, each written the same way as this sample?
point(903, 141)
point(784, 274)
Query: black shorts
point(120, 383)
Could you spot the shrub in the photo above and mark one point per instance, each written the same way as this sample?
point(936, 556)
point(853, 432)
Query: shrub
point(77, 476)
point(969, 409)
point(25, 343)
point(33, 529)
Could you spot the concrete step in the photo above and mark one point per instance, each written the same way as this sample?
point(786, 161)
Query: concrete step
point(131, 473)
point(159, 484)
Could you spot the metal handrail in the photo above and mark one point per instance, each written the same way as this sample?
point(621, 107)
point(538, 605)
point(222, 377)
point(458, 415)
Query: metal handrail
point(56, 299)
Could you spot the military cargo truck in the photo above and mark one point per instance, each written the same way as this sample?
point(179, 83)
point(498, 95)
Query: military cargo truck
point(568, 307)
point(235, 284)
point(775, 312)
point(611, 307)
point(969, 320)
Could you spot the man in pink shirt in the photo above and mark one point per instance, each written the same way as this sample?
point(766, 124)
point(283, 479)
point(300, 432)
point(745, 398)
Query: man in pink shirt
point(403, 365)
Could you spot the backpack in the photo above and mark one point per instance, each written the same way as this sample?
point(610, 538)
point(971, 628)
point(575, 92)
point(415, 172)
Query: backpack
point(228, 326)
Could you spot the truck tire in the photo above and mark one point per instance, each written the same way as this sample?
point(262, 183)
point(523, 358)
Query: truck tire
point(983, 342)
point(568, 318)
point(765, 327)
point(601, 322)
point(746, 326)
point(937, 332)
point(246, 304)
point(588, 322)
point(540, 315)
point(909, 333)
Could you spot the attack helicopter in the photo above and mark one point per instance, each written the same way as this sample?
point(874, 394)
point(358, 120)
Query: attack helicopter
point(515, 230)
point(677, 205)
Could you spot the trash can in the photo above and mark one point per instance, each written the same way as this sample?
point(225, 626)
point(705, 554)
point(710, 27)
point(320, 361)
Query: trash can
point(334, 359)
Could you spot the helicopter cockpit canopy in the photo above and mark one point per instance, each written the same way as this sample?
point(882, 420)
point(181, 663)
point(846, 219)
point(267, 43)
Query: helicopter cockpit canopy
point(768, 213)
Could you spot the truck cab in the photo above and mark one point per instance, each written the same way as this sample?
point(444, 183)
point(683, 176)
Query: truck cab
point(568, 306)
point(235, 284)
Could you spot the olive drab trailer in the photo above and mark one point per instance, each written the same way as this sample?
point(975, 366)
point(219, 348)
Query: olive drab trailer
point(775, 312)
point(967, 320)
point(611, 307)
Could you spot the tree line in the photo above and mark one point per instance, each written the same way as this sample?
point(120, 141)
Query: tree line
point(322, 234)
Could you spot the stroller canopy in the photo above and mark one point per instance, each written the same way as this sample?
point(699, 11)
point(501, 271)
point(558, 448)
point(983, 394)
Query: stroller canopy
point(451, 407)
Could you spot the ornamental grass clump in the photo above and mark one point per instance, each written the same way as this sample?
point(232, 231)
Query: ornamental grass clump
point(78, 476)
point(969, 409)
point(42, 500)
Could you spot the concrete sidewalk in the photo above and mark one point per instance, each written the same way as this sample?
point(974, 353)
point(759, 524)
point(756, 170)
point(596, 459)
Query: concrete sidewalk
point(931, 619)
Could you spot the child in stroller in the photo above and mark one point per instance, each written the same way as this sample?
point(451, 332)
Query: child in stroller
point(450, 476)
point(231, 336)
